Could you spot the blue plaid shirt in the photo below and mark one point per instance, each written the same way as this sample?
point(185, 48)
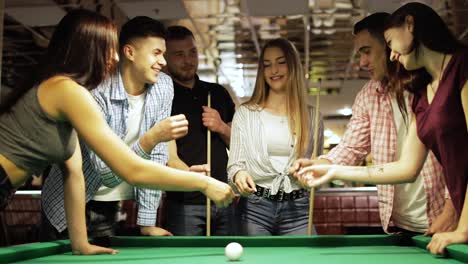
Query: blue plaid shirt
point(112, 100)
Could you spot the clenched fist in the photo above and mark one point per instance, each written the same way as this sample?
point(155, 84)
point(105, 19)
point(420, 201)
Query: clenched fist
point(212, 120)
point(170, 128)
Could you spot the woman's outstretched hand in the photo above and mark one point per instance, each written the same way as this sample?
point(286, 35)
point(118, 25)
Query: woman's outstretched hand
point(315, 175)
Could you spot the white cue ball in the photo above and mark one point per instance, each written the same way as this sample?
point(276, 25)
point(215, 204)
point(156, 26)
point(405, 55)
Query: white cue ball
point(233, 251)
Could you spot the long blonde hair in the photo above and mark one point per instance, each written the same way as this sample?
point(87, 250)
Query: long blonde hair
point(296, 95)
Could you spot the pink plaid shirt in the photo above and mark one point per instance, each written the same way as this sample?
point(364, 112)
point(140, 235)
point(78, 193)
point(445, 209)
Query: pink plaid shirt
point(372, 127)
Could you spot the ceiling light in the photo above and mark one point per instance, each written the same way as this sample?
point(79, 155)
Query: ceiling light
point(333, 140)
point(226, 45)
point(341, 5)
point(346, 111)
point(330, 10)
point(316, 31)
point(316, 21)
point(295, 16)
point(328, 133)
point(329, 21)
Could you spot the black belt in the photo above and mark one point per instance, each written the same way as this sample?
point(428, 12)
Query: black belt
point(280, 195)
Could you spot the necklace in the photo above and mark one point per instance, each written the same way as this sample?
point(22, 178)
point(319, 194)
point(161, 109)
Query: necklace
point(440, 74)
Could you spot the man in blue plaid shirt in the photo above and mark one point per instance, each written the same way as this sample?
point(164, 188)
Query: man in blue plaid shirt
point(136, 103)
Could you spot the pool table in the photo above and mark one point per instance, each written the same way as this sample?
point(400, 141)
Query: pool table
point(380, 249)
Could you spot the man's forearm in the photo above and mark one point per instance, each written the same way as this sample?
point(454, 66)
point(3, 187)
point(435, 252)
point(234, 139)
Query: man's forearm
point(148, 141)
point(177, 163)
point(225, 134)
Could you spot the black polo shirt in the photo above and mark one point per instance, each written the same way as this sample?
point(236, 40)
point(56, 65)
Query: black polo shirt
point(192, 148)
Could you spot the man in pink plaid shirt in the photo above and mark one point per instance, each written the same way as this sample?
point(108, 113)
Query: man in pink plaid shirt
point(378, 126)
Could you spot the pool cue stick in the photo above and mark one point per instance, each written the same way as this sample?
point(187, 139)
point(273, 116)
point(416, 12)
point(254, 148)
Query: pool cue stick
point(208, 161)
point(314, 155)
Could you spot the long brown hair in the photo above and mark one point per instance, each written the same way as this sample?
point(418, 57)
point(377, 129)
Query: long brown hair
point(82, 48)
point(429, 30)
point(296, 93)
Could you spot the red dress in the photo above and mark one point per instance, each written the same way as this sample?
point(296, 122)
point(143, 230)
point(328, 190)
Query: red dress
point(442, 126)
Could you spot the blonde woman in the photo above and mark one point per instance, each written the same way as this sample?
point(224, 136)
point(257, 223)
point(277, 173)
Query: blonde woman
point(268, 132)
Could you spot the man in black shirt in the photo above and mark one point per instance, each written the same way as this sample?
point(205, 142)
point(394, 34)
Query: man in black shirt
point(186, 212)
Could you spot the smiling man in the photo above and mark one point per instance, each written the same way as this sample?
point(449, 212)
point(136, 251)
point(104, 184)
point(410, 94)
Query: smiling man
point(379, 125)
point(136, 103)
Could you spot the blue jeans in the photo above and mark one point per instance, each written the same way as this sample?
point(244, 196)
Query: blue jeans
point(260, 216)
point(190, 220)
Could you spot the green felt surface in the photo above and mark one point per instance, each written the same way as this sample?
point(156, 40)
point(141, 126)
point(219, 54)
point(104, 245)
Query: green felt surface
point(285, 250)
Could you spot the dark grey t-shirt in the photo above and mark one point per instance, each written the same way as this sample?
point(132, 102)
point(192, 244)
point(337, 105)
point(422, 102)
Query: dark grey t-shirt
point(31, 139)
